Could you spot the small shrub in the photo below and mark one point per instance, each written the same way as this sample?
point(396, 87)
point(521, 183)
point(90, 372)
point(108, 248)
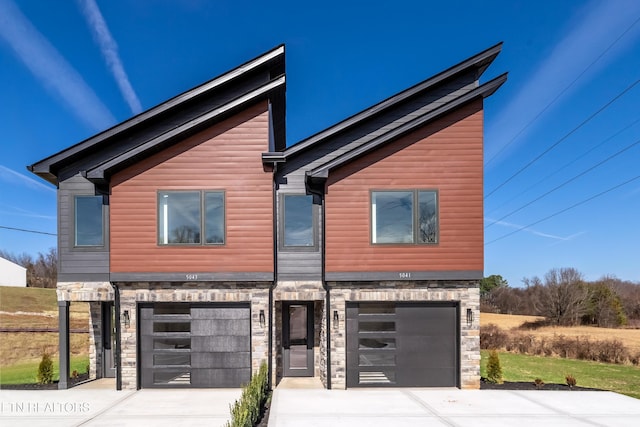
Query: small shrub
point(492, 337)
point(538, 383)
point(611, 351)
point(45, 369)
point(494, 369)
point(74, 374)
point(88, 368)
point(571, 380)
point(246, 411)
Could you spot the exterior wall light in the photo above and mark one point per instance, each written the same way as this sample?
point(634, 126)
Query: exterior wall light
point(126, 319)
point(261, 318)
point(469, 317)
point(335, 319)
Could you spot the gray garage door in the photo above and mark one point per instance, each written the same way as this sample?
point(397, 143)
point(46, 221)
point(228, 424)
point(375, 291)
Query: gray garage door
point(195, 345)
point(402, 344)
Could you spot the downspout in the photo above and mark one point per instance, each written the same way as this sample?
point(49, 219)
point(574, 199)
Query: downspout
point(117, 356)
point(275, 275)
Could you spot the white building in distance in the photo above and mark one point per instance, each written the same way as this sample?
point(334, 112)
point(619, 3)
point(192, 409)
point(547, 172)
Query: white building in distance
point(12, 274)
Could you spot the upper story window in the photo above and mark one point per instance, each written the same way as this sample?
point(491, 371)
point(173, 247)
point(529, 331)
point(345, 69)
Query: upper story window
point(191, 218)
point(298, 224)
point(88, 221)
point(404, 216)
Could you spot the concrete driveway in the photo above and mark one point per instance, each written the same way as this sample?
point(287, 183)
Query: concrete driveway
point(299, 406)
point(450, 407)
point(108, 407)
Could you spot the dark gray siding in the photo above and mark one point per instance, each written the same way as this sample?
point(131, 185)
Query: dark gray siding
point(79, 264)
point(291, 176)
point(299, 264)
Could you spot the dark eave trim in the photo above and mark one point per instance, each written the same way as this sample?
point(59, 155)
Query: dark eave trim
point(273, 157)
point(487, 89)
point(481, 61)
point(195, 277)
point(43, 167)
point(100, 173)
point(363, 276)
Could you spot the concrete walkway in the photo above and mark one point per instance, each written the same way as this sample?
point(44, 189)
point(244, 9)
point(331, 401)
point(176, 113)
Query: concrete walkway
point(450, 407)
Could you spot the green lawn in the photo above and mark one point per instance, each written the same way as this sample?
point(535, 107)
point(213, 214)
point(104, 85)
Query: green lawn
point(26, 373)
point(519, 367)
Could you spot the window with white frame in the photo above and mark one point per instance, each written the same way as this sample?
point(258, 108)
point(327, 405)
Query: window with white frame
point(191, 218)
point(404, 217)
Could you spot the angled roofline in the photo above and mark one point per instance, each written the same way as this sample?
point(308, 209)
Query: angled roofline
point(101, 172)
point(479, 61)
point(43, 167)
point(487, 89)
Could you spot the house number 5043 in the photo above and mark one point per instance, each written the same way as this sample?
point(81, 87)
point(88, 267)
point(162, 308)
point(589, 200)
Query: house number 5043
point(192, 277)
point(405, 275)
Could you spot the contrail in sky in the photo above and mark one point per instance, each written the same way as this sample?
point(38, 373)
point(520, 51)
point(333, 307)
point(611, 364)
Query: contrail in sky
point(51, 69)
point(12, 176)
point(109, 49)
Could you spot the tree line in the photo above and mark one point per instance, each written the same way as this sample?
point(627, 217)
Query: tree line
point(42, 269)
point(565, 298)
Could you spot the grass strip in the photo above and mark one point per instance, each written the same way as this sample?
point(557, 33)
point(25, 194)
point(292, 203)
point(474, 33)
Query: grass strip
point(623, 379)
point(26, 372)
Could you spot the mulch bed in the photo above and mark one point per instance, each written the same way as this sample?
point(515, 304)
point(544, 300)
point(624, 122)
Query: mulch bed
point(52, 386)
point(508, 385)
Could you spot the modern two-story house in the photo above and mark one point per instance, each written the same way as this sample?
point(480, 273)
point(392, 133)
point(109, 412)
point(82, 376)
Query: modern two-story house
point(205, 246)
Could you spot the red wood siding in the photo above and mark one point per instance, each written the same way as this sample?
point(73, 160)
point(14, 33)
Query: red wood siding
point(445, 155)
point(225, 157)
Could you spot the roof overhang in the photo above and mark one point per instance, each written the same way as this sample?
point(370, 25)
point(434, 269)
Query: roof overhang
point(321, 173)
point(101, 173)
point(271, 63)
point(477, 63)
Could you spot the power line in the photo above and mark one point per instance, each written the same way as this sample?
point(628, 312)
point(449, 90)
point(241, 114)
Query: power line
point(566, 182)
point(584, 122)
point(27, 231)
point(564, 210)
point(566, 165)
point(561, 93)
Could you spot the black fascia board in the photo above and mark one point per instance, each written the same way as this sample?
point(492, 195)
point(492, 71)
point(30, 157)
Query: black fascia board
point(272, 60)
point(479, 62)
point(100, 173)
point(273, 157)
point(487, 89)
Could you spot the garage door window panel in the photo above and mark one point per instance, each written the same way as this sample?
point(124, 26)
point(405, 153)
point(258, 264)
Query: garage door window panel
point(195, 344)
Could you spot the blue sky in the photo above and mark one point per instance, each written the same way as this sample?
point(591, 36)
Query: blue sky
point(565, 123)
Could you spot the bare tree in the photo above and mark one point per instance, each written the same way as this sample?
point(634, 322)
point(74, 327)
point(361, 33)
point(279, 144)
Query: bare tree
point(565, 295)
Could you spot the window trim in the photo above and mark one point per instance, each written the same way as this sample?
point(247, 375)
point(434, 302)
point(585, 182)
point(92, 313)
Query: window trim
point(203, 240)
point(415, 215)
point(74, 227)
point(281, 219)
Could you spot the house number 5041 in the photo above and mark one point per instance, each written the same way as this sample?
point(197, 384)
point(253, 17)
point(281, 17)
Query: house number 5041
point(192, 277)
point(405, 275)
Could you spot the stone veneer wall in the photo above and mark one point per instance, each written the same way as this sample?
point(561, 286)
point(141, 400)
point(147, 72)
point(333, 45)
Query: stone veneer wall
point(95, 340)
point(133, 293)
point(93, 293)
point(466, 292)
point(288, 291)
